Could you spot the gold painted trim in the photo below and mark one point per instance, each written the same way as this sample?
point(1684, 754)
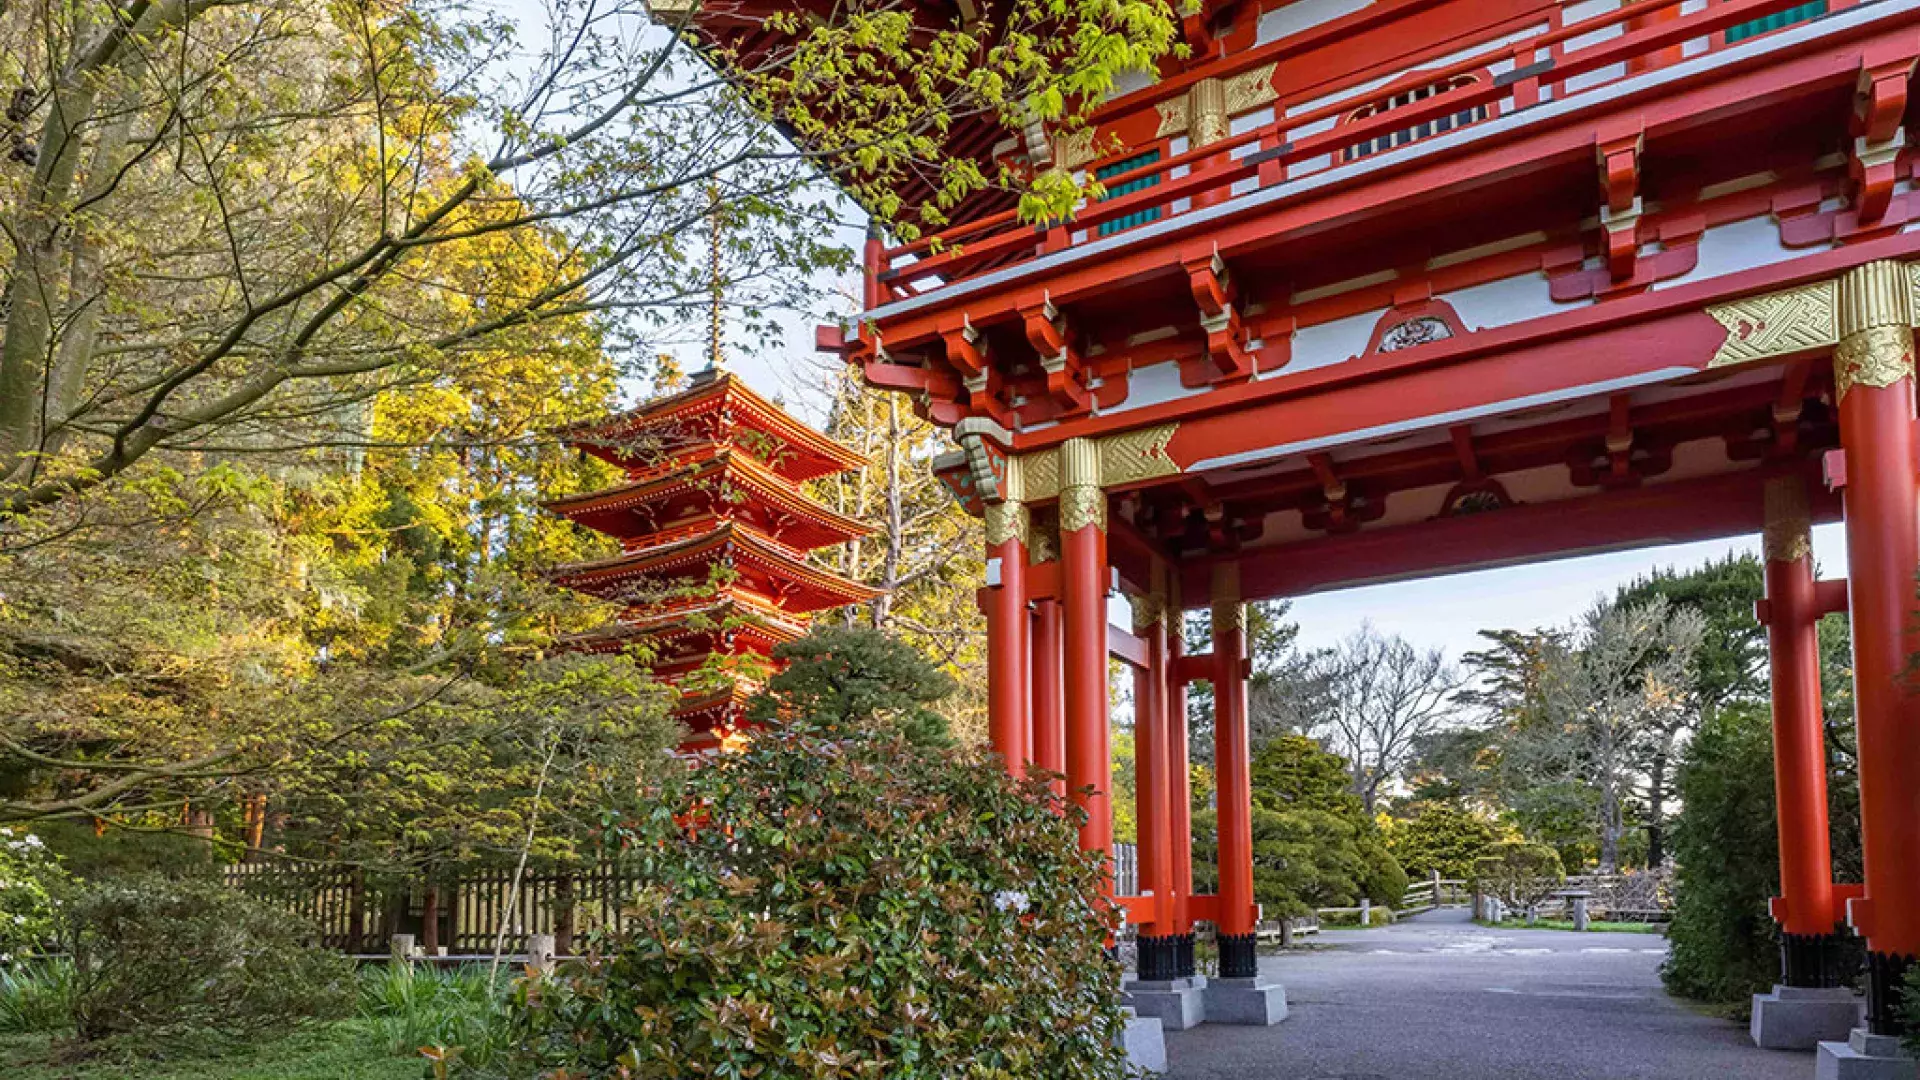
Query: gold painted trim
point(1206, 113)
point(1173, 117)
point(1079, 463)
point(1875, 295)
point(1074, 149)
point(1081, 506)
point(1008, 521)
point(1148, 612)
point(1777, 324)
point(1876, 357)
point(1249, 90)
point(1788, 533)
point(1876, 327)
point(1229, 617)
point(1137, 455)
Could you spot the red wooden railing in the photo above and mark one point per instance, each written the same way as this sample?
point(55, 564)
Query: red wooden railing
point(1002, 239)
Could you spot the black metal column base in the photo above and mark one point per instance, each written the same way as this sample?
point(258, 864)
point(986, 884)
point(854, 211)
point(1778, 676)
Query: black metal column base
point(1239, 956)
point(1183, 965)
point(1159, 958)
point(1886, 984)
point(1815, 961)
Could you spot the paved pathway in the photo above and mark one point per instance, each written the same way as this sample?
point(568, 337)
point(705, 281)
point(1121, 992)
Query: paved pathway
point(1438, 998)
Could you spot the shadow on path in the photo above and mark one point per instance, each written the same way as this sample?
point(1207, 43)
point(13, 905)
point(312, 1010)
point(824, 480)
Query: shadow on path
point(1438, 998)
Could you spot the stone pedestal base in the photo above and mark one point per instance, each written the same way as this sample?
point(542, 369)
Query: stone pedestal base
point(1178, 1003)
point(1864, 1057)
point(1145, 1043)
point(1249, 1002)
point(1800, 1018)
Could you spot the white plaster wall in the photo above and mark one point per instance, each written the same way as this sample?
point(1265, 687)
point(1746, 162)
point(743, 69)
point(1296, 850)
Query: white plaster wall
point(1503, 302)
point(1333, 342)
point(1596, 77)
point(1303, 15)
point(1155, 385)
point(1736, 246)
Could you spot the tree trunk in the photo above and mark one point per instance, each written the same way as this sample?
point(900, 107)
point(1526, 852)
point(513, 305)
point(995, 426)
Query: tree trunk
point(1609, 829)
point(1656, 811)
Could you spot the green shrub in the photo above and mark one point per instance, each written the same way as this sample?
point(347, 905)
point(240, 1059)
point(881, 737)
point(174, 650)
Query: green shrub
point(34, 997)
point(1723, 945)
point(843, 903)
point(1909, 1010)
point(174, 959)
point(857, 677)
point(1443, 835)
point(1519, 874)
point(1313, 844)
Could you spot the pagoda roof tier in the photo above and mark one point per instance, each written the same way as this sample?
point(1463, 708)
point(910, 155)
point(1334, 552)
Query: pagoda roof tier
point(695, 629)
point(723, 707)
point(682, 494)
point(716, 411)
point(786, 581)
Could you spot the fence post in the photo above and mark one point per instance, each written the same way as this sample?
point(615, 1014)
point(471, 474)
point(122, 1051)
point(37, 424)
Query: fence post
point(430, 920)
point(1366, 913)
point(1436, 888)
point(563, 903)
point(540, 952)
point(402, 947)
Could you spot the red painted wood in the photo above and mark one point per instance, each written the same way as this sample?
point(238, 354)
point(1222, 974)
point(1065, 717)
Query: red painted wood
point(1083, 557)
point(1799, 749)
point(1883, 547)
point(1670, 513)
point(1233, 771)
point(1153, 781)
point(1180, 779)
point(1049, 733)
point(1008, 695)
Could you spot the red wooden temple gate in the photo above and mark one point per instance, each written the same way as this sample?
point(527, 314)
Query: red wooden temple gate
point(1390, 288)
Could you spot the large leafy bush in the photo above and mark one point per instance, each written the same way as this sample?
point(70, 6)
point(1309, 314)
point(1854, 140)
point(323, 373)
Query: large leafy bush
point(839, 900)
point(166, 959)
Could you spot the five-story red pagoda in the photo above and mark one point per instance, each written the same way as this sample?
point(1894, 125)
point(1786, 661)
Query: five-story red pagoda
point(714, 529)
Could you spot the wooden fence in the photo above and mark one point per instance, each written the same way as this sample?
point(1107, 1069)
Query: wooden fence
point(462, 914)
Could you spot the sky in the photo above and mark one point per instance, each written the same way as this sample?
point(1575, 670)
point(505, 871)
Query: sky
point(1448, 612)
point(1444, 612)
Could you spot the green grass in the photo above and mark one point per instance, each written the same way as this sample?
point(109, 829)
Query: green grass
point(341, 1051)
point(397, 1012)
point(1595, 926)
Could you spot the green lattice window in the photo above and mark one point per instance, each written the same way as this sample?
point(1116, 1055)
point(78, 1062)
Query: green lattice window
point(1794, 14)
point(1139, 217)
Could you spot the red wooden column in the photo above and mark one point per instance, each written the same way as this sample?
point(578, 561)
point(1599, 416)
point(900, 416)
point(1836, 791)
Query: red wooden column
point(1181, 819)
point(1049, 733)
point(1873, 378)
point(1008, 699)
point(1083, 579)
point(1153, 785)
point(1805, 907)
point(1233, 766)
